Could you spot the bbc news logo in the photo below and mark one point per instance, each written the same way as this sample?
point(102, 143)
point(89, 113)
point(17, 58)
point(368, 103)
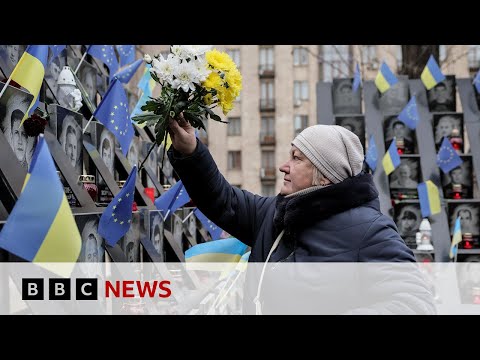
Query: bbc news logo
point(59, 289)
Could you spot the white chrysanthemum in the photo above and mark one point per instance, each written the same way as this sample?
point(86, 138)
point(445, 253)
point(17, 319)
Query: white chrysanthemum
point(180, 52)
point(201, 67)
point(196, 50)
point(165, 68)
point(185, 76)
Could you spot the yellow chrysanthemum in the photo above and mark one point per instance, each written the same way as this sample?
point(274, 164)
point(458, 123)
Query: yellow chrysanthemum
point(219, 60)
point(213, 81)
point(208, 99)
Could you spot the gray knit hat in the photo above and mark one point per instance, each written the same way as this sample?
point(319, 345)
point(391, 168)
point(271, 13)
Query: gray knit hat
point(334, 150)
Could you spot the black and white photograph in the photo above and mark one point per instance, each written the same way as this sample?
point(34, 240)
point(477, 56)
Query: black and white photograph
point(133, 151)
point(396, 98)
point(469, 279)
point(51, 77)
point(106, 148)
point(156, 231)
point(408, 218)
point(444, 125)
point(167, 168)
point(93, 249)
point(469, 214)
point(87, 74)
point(9, 57)
point(406, 175)
point(177, 227)
point(345, 101)
point(13, 105)
point(461, 177)
point(101, 84)
point(151, 163)
point(442, 97)
point(405, 137)
point(130, 242)
point(191, 222)
point(355, 124)
point(69, 132)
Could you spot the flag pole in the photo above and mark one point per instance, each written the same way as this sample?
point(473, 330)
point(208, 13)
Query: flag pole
point(81, 60)
point(191, 213)
point(5, 86)
point(88, 123)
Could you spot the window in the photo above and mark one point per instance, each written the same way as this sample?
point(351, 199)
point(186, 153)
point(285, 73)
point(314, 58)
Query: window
point(300, 123)
point(234, 127)
point(300, 56)
point(235, 55)
point(300, 90)
point(268, 159)
point(268, 125)
point(369, 56)
point(267, 96)
point(336, 61)
point(473, 57)
point(268, 190)
point(266, 58)
point(234, 160)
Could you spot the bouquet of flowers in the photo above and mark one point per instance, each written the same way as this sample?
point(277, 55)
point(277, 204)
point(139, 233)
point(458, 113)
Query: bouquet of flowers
point(194, 81)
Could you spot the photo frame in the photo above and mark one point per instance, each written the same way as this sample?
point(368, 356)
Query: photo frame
point(87, 74)
point(9, 57)
point(443, 125)
point(130, 242)
point(133, 154)
point(93, 245)
point(461, 175)
point(344, 100)
point(150, 163)
point(405, 179)
point(393, 127)
point(442, 98)
point(407, 217)
point(469, 213)
point(106, 143)
point(13, 105)
point(68, 125)
point(355, 124)
point(396, 98)
point(156, 232)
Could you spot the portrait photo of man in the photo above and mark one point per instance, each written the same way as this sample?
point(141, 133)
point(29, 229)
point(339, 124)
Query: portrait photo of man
point(132, 154)
point(444, 124)
point(408, 218)
point(51, 77)
point(106, 148)
point(92, 243)
point(130, 242)
point(404, 136)
point(405, 176)
point(396, 98)
point(355, 124)
point(88, 79)
point(345, 101)
point(461, 175)
point(156, 231)
point(469, 217)
point(441, 98)
point(9, 57)
point(70, 131)
point(177, 228)
point(13, 105)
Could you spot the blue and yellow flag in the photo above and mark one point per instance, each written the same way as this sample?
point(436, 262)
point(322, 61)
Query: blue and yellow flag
point(126, 74)
point(432, 74)
point(113, 113)
point(29, 73)
point(476, 81)
point(409, 115)
point(106, 54)
point(372, 155)
point(457, 238)
point(429, 198)
point(357, 79)
point(126, 53)
point(224, 250)
point(385, 78)
point(172, 199)
point(391, 159)
point(41, 227)
point(214, 230)
point(447, 157)
point(117, 217)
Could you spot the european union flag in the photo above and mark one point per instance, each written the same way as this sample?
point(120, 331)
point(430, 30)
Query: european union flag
point(224, 250)
point(117, 217)
point(391, 159)
point(385, 78)
point(476, 82)
point(409, 114)
point(447, 157)
point(172, 199)
point(125, 75)
point(357, 79)
point(429, 198)
point(432, 74)
point(126, 53)
point(56, 50)
point(214, 230)
point(41, 226)
point(114, 115)
point(372, 154)
point(106, 54)
point(29, 73)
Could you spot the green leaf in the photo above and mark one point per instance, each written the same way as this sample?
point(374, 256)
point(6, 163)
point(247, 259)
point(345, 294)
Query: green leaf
point(194, 120)
point(214, 116)
point(146, 118)
point(179, 107)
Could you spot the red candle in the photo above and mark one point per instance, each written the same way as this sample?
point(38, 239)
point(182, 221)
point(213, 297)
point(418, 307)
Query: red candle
point(150, 192)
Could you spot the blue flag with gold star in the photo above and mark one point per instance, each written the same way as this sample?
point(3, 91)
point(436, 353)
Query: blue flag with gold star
point(106, 54)
point(447, 157)
point(372, 154)
point(114, 115)
point(126, 53)
point(172, 199)
point(214, 230)
point(125, 75)
point(180, 199)
point(409, 114)
point(55, 50)
point(117, 217)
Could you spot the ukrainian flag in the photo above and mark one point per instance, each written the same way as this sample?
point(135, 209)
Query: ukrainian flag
point(30, 71)
point(391, 159)
point(224, 250)
point(432, 74)
point(429, 198)
point(457, 238)
point(41, 227)
point(385, 78)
